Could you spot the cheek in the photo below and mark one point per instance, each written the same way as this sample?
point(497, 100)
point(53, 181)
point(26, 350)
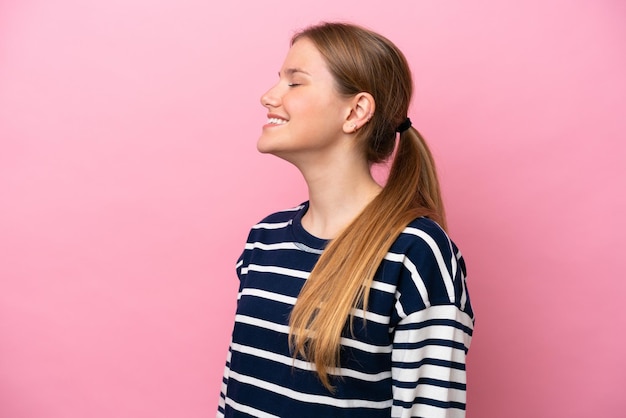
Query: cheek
point(309, 102)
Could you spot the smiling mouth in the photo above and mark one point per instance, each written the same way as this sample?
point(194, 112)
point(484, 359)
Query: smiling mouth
point(276, 121)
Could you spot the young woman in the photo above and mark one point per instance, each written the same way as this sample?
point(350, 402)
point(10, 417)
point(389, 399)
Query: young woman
point(354, 303)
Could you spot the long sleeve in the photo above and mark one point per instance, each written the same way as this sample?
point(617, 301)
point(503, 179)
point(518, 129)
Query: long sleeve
point(428, 363)
point(432, 329)
point(221, 406)
point(222, 401)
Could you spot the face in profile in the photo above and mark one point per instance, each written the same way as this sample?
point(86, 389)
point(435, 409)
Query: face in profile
point(305, 113)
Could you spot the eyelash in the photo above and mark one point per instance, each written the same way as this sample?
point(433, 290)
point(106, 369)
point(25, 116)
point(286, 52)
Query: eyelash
point(293, 84)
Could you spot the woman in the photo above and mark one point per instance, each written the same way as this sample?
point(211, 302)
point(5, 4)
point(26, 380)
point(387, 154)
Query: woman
point(354, 303)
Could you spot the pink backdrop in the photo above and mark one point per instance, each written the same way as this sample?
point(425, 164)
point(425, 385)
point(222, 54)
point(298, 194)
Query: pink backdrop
point(129, 178)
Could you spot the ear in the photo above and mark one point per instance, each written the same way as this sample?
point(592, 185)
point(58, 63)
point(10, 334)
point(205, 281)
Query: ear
point(362, 107)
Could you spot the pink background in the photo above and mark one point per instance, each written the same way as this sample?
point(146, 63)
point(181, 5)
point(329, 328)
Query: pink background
point(129, 178)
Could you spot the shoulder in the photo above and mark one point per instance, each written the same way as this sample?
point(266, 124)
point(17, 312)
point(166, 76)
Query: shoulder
point(281, 217)
point(276, 227)
point(270, 236)
point(423, 234)
point(433, 269)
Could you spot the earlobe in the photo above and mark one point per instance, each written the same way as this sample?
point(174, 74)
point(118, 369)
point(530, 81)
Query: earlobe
point(350, 127)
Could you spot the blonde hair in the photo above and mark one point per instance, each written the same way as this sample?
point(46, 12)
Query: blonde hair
point(364, 61)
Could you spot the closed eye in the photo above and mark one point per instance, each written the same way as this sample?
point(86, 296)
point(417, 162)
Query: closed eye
point(293, 84)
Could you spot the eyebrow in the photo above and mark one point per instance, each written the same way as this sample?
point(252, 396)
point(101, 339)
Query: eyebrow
point(291, 71)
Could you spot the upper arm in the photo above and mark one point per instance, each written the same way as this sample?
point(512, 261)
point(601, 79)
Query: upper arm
point(432, 328)
point(428, 362)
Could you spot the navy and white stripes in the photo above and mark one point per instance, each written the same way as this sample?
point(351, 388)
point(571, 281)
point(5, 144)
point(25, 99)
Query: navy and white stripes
point(406, 360)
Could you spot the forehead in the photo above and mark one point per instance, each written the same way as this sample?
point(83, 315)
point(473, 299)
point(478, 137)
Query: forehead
point(304, 56)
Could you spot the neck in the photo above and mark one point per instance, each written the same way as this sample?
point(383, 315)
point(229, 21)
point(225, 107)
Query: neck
point(337, 194)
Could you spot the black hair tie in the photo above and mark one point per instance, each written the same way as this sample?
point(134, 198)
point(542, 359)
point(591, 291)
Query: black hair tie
point(404, 125)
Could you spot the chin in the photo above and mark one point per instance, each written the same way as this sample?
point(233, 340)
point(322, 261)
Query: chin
point(269, 145)
point(263, 147)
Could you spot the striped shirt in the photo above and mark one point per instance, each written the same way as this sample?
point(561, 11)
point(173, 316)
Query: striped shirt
point(407, 359)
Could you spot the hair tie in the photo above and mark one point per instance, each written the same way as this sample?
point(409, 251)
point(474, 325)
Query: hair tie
point(404, 125)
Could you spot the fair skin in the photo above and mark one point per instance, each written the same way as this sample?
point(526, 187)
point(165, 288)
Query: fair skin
point(315, 128)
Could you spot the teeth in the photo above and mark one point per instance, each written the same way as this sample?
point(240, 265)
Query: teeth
point(276, 121)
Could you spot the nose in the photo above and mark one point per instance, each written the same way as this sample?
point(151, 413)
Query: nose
point(270, 98)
